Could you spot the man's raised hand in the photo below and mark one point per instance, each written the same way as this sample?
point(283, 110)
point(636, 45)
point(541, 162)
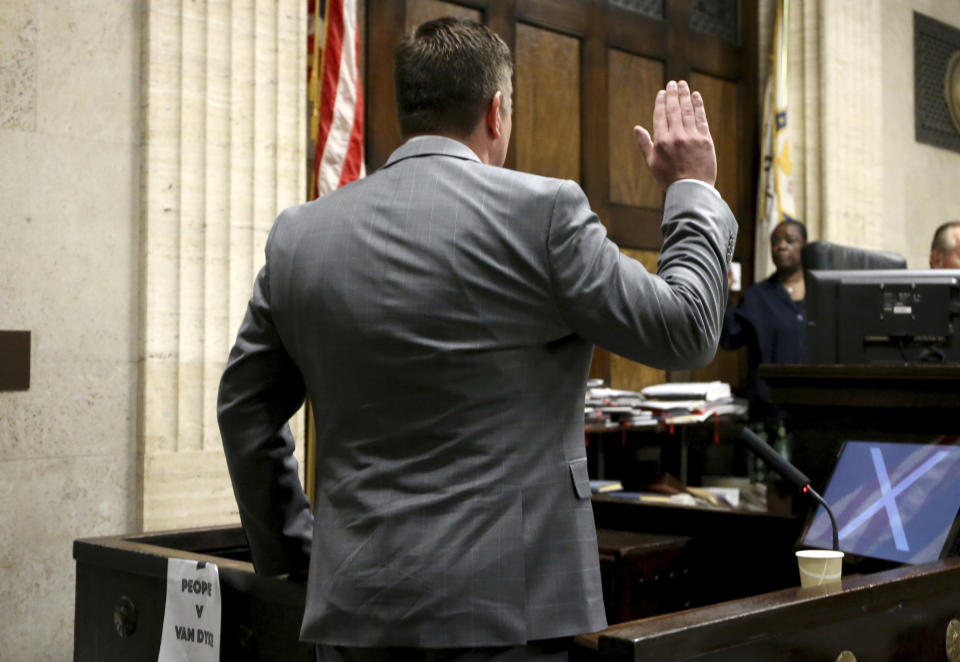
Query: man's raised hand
point(681, 147)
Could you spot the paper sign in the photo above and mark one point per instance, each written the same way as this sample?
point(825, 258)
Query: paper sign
point(735, 277)
point(191, 617)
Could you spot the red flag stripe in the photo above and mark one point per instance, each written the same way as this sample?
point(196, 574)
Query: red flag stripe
point(332, 45)
point(353, 164)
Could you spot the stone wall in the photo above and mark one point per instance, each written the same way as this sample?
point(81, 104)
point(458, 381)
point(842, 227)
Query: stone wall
point(147, 147)
point(224, 130)
point(921, 183)
point(860, 177)
point(69, 259)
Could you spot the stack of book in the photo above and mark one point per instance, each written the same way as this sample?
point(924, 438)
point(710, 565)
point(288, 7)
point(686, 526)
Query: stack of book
point(681, 402)
point(674, 402)
point(610, 407)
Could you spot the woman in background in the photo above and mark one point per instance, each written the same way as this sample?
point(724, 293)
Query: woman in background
point(771, 321)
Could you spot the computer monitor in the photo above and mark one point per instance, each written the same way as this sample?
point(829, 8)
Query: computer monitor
point(892, 501)
point(892, 317)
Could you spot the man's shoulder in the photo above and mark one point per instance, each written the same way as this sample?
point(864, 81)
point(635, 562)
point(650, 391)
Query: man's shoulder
point(531, 184)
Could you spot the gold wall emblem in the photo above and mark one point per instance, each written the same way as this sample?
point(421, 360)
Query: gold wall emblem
point(951, 88)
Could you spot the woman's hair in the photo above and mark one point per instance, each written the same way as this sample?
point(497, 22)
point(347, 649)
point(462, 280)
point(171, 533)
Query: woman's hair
point(801, 228)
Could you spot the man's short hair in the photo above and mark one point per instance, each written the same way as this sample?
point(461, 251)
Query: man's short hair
point(944, 240)
point(447, 71)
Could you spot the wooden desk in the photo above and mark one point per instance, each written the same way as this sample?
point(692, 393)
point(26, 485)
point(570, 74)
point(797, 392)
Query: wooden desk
point(935, 387)
point(897, 615)
point(892, 616)
point(669, 444)
point(730, 554)
point(121, 593)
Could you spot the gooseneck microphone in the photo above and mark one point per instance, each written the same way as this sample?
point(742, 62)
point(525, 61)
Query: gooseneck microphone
point(776, 462)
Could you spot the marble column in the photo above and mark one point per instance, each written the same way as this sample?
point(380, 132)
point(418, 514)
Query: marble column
point(851, 122)
point(223, 113)
point(835, 90)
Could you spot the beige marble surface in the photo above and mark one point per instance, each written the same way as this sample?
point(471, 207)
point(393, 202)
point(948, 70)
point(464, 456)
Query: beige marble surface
point(69, 181)
point(73, 409)
point(852, 129)
point(921, 183)
point(48, 503)
point(18, 65)
point(88, 69)
point(224, 152)
point(860, 175)
point(70, 245)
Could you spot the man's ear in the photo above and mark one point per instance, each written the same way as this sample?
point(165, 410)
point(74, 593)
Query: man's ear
point(492, 118)
point(936, 259)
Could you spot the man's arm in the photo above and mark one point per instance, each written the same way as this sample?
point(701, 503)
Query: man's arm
point(673, 319)
point(260, 390)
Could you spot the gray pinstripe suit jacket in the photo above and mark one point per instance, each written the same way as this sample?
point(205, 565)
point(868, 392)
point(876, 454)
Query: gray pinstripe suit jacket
point(441, 315)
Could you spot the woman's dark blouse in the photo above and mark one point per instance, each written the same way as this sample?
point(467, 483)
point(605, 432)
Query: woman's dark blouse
point(774, 329)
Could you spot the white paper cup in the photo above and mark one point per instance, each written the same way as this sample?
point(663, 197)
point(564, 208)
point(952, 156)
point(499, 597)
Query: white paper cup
point(819, 566)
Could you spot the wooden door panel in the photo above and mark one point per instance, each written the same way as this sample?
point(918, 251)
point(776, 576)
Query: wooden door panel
point(633, 84)
point(720, 101)
point(546, 118)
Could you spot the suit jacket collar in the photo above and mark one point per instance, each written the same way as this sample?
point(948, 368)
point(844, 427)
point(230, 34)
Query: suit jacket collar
point(431, 146)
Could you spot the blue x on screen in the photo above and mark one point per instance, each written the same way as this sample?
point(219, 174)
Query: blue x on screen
point(892, 501)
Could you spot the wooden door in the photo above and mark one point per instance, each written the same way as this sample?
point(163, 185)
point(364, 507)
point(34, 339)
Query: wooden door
point(587, 71)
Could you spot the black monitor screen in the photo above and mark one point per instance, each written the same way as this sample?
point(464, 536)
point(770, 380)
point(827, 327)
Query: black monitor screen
point(892, 501)
point(892, 317)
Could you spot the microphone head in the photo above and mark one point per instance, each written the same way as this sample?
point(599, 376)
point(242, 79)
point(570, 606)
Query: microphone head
point(773, 459)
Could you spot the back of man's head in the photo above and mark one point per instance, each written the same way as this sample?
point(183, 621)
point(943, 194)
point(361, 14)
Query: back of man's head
point(447, 72)
point(944, 240)
point(943, 248)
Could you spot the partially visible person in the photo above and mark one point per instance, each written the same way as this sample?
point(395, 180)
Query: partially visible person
point(771, 321)
point(945, 248)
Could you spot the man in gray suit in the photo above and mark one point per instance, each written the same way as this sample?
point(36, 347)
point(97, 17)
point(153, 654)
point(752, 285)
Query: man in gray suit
point(441, 314)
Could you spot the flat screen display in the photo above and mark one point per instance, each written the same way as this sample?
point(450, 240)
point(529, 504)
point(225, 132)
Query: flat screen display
point(892, 501)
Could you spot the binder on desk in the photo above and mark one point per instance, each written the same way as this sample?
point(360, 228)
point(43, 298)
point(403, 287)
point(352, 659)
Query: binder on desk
point(603, 486)
point(709, 391)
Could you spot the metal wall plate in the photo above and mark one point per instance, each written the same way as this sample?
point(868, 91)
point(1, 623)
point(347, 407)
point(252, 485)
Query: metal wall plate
point(952, 642)
point(935, 47)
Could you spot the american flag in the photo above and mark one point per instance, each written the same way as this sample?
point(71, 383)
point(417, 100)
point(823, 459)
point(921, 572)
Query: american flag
point(335, 90)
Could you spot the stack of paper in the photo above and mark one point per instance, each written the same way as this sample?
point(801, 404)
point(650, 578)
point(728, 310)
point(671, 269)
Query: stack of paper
point(707, 391)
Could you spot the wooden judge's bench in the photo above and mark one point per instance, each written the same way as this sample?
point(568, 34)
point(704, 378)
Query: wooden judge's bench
point(680, 582)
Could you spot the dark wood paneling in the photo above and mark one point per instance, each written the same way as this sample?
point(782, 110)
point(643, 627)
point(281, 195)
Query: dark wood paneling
point(678, 40)
point(569, 17)
point(501, 19)
point(547, 109)
point(635, 227)
point(385, 22)
point(629, 32)
point(421, 11)
point(714, 57)
point(720, 101)
point(633, 84)
point(595, 99)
